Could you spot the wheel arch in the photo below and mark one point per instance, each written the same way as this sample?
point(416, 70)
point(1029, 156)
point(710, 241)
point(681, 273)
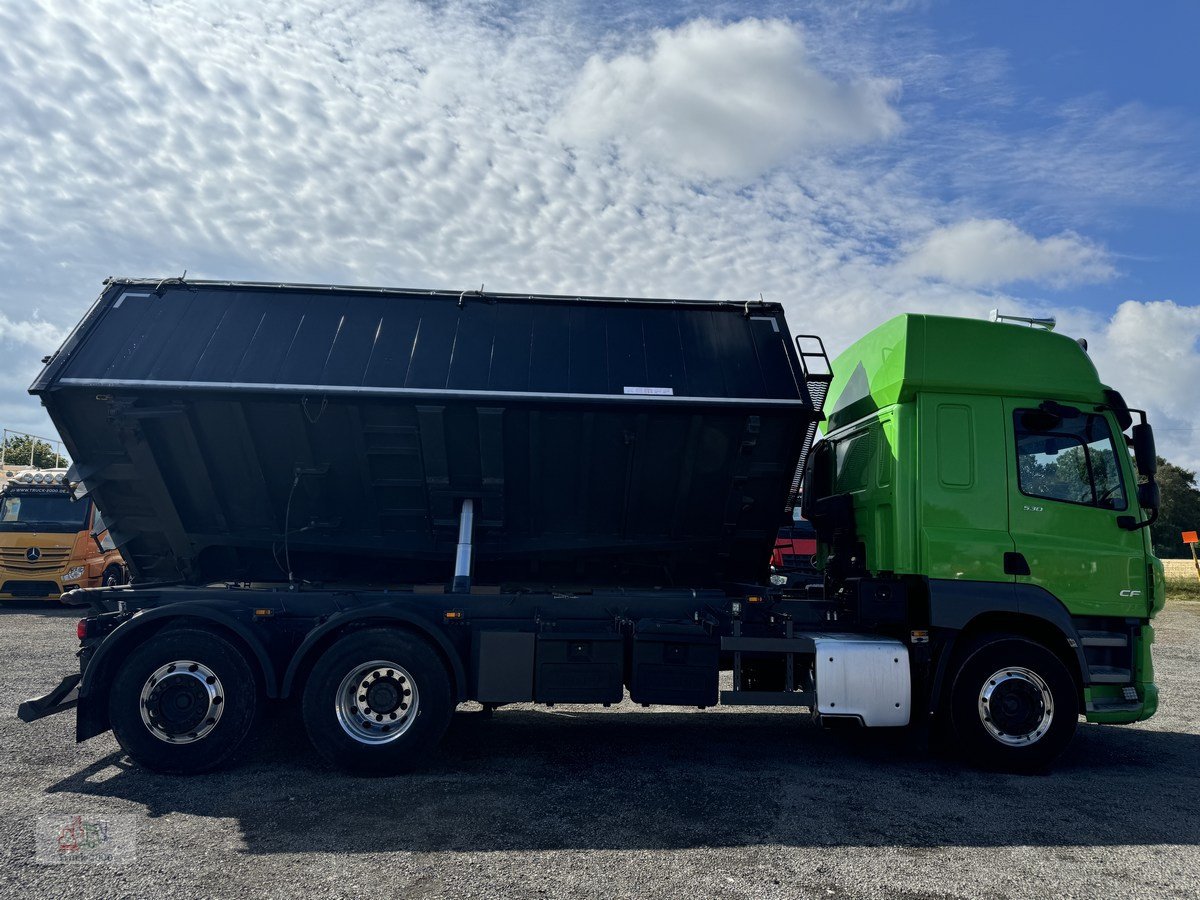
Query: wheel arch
point(323, 637)
point(966, 611)
point(92, 716)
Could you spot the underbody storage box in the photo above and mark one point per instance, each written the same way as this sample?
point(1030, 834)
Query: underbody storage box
point(579, 667)
point(673, 663)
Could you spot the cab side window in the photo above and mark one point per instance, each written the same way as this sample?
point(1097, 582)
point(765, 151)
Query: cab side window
point(1073, 460)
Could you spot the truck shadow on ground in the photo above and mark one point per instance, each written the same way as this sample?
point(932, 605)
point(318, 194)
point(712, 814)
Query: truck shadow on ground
point(525, 780)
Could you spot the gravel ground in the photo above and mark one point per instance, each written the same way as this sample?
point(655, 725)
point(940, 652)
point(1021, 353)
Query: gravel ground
point(580, 803)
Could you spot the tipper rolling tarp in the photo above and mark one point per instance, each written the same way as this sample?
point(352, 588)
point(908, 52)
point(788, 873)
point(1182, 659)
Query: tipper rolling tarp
point(236, 431)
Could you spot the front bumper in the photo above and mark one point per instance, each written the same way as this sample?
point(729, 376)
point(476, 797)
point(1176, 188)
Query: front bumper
point(62, 698)
point(30, 588)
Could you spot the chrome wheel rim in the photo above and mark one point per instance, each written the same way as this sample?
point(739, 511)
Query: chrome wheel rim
point(182, 701)
point(1016, 706)
point(377, 702)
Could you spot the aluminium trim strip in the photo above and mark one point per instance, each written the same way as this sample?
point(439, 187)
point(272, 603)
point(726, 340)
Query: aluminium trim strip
point(740, 306)
point(332, 389)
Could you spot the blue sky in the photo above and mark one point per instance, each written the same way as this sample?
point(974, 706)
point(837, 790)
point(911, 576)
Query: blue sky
point(1108, 55)
point(852, 160)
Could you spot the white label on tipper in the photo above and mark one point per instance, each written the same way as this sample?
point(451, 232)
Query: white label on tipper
point(664, 392)
point(138, 294)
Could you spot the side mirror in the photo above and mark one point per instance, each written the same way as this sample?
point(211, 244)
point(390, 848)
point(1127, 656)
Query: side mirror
point(831, 515)
point(1143, 451)
point(1148, 495)
point(96, 541)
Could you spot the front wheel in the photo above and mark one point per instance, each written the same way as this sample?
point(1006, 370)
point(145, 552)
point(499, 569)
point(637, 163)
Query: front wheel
point(183, 701)
point(377, 702)
point(1013, 704)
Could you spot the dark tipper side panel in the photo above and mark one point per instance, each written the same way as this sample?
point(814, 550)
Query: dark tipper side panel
point(604, 441)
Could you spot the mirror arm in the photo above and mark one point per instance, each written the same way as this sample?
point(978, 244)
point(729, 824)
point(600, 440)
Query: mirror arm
point(1129, 523)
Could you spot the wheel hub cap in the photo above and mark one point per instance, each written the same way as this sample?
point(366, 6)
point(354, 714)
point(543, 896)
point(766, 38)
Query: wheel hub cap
point(377, 702)
point(182, 701)
point(1016, 706)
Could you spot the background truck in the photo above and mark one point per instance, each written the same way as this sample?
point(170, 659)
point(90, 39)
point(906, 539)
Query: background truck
point(793, 559)
point(382, 503)
point(49, 543)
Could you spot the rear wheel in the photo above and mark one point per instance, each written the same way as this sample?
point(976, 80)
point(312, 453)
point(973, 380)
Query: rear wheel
point(1013, 704)
point(377, 701)
point(183, 701)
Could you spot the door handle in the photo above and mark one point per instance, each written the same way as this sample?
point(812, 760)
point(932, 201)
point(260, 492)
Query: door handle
point(1015, 564)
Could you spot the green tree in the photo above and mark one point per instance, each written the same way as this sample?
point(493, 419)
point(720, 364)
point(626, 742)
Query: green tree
point(1180, 510)
point(19, 448)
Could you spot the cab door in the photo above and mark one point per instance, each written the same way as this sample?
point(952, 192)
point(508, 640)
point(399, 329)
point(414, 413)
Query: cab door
point(1069, 480)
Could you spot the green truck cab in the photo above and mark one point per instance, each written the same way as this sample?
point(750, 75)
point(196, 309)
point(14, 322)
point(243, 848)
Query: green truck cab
point(980, 471)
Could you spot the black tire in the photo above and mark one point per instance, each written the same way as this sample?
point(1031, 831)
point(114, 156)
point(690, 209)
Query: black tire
point(1018, 722)
point(113, 576)
point(183, 753)
point(341, 727)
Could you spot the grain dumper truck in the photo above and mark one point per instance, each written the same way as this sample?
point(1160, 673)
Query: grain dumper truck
point(382, 503)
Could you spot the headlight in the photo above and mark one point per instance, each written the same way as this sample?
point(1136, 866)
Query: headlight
point(72, 574)
point(778, 580)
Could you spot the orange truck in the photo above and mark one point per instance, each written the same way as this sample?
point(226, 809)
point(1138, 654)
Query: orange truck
point(51, 542)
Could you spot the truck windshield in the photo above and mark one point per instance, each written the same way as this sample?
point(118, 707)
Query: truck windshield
point(41, 511)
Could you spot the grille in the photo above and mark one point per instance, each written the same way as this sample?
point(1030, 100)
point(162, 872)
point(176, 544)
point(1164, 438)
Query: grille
point(51, 560)
point(30, 588)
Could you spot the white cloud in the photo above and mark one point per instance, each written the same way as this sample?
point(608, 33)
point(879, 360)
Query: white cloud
point(33, 332)
point(723, 100)
point(986, 253)
point(1149, 351)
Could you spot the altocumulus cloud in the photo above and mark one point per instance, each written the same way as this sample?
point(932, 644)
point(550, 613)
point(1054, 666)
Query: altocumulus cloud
point(520, 146)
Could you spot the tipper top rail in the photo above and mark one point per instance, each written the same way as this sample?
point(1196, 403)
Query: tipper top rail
point(222, 426)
